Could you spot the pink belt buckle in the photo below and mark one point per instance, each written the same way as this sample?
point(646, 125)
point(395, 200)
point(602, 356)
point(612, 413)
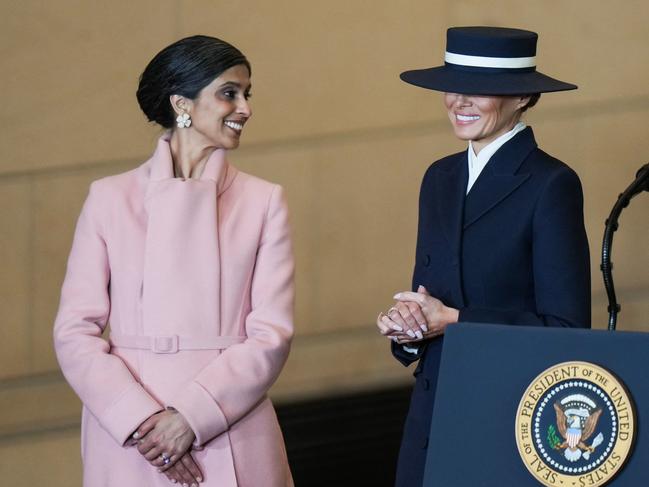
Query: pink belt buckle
point(164, 344)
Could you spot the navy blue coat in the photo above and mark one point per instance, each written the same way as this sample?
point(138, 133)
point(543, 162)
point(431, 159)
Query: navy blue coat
point(513, 251)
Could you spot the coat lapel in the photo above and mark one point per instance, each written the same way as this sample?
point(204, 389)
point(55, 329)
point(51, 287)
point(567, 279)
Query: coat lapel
point(499, 178)
point(181, 277)
point(450, 187)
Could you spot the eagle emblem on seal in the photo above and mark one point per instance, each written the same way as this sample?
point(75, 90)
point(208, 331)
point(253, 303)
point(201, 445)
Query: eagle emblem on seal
point(577, 417)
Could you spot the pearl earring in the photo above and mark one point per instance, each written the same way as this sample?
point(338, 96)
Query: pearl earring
point(183, 120)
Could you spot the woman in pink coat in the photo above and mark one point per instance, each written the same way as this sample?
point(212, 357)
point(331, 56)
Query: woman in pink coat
point(190, 262)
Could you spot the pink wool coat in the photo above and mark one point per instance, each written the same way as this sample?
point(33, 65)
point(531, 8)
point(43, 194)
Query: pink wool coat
point(196, 280)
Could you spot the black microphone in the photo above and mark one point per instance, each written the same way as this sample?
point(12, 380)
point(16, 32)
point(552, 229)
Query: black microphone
point(643, 177)
point(639, 184)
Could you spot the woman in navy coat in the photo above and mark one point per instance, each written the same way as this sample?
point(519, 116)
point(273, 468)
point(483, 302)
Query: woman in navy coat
point(501, 235)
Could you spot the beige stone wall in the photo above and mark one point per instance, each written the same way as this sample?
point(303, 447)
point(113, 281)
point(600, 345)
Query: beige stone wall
point(332, 123)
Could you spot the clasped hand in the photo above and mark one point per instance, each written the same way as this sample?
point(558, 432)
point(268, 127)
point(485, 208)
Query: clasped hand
point(415, 317)
point(164, 439)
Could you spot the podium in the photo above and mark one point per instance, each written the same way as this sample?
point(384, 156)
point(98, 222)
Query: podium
point(510, 401)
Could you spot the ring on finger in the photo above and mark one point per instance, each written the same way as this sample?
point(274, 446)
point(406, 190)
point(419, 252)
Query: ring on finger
point(165, 458)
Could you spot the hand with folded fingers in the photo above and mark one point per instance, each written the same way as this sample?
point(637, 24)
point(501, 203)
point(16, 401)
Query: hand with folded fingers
point(164, 439)
point(403, 321)
point(184, 472)
point(416, 317)
point(436, 314)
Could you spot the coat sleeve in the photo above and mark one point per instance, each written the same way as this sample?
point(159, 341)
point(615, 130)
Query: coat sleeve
point(399, 351)
point(232, 384)
point(102, 381)
point(560, 258)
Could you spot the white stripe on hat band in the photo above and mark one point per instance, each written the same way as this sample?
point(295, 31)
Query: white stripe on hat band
point(490, 62)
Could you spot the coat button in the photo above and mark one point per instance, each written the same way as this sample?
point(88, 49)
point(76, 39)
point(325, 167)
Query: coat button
point(427, 260)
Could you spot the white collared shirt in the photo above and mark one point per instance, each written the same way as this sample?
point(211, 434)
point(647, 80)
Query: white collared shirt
point(478, 162)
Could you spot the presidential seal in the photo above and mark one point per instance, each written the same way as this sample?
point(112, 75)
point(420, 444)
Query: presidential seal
point(575, 426)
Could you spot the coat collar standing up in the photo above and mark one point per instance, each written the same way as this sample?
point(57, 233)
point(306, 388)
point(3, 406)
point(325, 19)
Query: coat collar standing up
point(181, 277)
point(160, 166)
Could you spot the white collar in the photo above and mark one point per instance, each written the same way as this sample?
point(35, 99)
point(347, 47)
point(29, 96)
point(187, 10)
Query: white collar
point(478, 162)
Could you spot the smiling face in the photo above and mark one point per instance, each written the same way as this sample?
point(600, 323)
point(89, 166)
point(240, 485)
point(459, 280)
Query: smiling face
point(482, 119)
point(221, 109)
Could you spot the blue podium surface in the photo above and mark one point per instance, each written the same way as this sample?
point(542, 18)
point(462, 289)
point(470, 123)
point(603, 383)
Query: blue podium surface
point(485, 372)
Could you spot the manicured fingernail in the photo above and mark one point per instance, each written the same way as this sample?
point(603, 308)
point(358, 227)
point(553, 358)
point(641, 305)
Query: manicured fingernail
point(393, 338)
point(185, 485)
point(136, 435)
point(423, 327)
point(411, 334)
point(200, 479)
point(173, 481)
point(419, 334)
point(396, 327)
point(397, 296)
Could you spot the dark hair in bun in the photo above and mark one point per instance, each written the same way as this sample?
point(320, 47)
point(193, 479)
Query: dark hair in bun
point(183, 68)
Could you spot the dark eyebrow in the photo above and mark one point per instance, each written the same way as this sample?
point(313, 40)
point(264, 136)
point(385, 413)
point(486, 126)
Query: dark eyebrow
point(235, 84)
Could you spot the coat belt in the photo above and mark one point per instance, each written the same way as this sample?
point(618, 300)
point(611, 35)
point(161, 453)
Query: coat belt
point(172, 343)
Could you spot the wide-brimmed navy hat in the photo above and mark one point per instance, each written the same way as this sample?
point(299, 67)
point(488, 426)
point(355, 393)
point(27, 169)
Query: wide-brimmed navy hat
point(487, 61)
